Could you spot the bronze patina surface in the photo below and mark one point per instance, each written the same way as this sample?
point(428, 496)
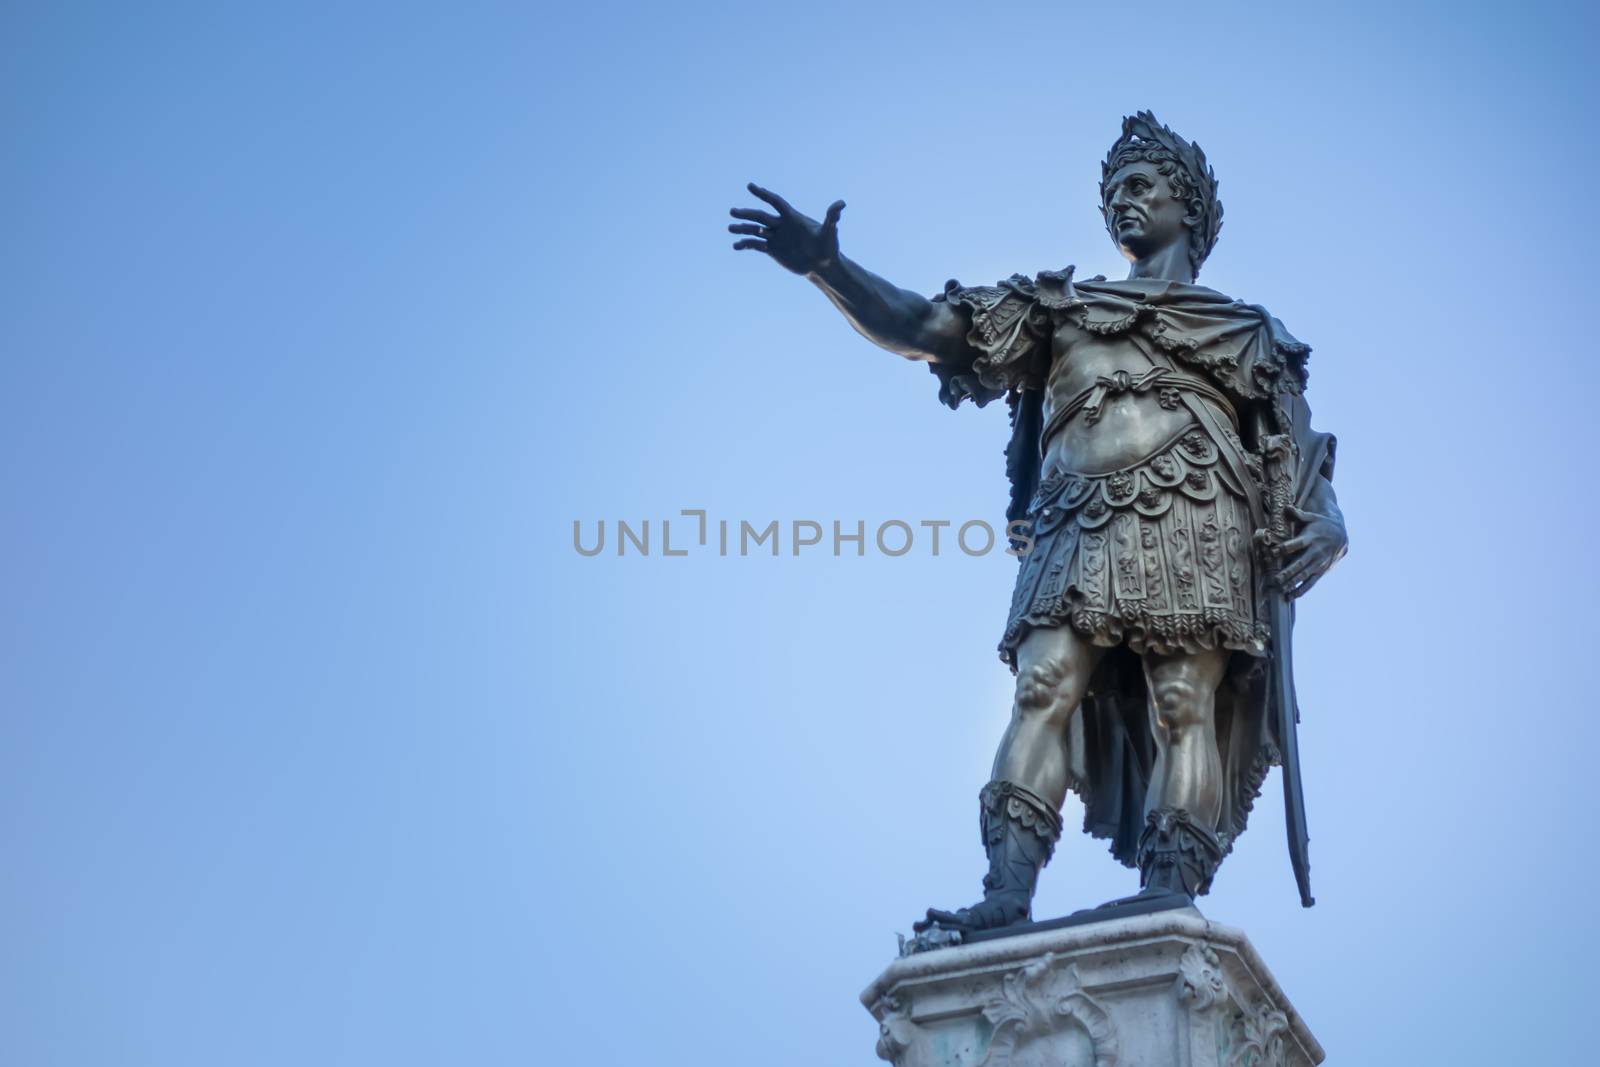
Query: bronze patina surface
point(1177, 502)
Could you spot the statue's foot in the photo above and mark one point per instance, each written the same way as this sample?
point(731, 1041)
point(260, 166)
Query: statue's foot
point(991, 913)
point(1150, 894)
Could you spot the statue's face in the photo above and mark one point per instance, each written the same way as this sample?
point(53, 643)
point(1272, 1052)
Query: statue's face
point(1142, 214)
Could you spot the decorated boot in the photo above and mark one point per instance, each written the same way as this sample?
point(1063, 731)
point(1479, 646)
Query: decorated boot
point(1176, 855)
point(1020, 832)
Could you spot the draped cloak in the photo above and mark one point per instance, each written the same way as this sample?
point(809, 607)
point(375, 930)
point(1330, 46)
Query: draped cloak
point(1253, 360)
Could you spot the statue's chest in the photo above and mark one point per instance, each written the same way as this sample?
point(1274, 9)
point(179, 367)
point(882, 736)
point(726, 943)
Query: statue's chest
point(1128, 424)
point(1080, 358)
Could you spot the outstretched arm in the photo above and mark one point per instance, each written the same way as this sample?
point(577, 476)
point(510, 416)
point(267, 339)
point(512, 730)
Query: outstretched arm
point(888, 316)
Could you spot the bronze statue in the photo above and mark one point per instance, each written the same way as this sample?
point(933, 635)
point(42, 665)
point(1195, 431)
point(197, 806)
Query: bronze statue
point(1177, 502)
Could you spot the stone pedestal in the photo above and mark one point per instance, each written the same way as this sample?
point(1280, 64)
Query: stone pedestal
point(1163, 990)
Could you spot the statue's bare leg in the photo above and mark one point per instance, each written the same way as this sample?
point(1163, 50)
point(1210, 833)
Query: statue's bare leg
point(1188, 770)
point(1179, 849)
point(1053, 670)
point(1021, 806)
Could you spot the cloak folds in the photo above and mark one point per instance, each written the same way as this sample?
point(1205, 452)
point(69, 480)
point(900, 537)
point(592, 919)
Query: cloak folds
point(1261, 369)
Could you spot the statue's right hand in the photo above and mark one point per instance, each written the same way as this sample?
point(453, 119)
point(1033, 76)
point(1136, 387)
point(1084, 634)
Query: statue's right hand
point(798, 242)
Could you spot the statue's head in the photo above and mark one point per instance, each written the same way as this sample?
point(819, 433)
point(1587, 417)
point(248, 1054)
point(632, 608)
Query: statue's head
point(1156, 188)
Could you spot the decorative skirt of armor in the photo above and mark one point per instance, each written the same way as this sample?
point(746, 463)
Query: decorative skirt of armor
point(1156, 555)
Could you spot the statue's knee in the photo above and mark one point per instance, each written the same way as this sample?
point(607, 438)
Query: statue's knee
point(1039, 689)
point(1180, 704)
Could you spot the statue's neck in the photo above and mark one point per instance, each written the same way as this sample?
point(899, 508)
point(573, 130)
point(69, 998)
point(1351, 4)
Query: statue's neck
point(1170, 264)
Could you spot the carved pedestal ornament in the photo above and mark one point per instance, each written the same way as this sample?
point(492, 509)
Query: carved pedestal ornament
point(1258, 1038)
point(1242, 1036)
point(1166, 989)
point(1201, 984)
point(896, 1031)
point(1042, 1017)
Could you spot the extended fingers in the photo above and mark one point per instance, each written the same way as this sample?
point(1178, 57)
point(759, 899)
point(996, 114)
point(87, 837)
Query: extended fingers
point(750, 242)
point(750, 214)
point(745, 227)
point(770, 197)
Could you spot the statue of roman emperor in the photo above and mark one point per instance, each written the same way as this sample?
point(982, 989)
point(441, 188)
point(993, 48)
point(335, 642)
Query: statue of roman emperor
point(1170, 501)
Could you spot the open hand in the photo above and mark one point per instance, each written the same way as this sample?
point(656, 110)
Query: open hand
point(1310, 553)
point(798, 242)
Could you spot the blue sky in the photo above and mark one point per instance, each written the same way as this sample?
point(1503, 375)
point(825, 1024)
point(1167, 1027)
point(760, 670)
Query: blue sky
point(319, 744)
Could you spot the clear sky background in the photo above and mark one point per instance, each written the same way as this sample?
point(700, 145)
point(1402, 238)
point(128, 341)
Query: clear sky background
point(320, 324)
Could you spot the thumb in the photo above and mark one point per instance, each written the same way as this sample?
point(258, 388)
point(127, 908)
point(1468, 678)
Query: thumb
point(831, 219)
